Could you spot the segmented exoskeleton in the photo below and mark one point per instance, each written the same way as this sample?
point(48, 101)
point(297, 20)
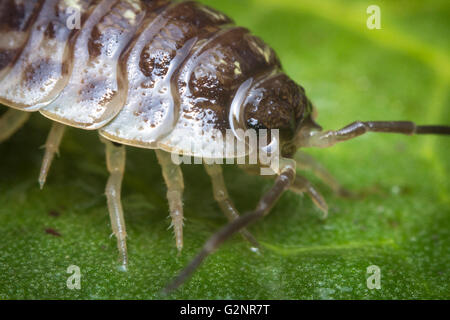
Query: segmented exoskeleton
point(168, 76)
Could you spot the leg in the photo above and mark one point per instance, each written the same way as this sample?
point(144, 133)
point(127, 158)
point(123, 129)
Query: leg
point(10, 122)
point(223, 199)
point(306, 162)
point(282, 182)
point(302, 185)
point(115, 161)
point(299, 186)
point(174, 180)
point(51, 147)
point(329, 138)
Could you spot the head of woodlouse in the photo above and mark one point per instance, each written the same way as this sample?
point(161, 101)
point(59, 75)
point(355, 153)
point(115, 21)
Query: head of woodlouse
point(277, 102)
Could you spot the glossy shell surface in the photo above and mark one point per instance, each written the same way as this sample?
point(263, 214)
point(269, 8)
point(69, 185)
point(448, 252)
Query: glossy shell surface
point(151, 74)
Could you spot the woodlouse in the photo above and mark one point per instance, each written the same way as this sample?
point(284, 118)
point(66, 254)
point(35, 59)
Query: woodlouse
point(164, 76)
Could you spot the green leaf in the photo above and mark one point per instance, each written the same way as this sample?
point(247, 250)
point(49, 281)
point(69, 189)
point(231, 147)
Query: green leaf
point(400, 72)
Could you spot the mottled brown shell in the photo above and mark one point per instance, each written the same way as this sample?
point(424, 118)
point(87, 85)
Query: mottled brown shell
point(151, 74)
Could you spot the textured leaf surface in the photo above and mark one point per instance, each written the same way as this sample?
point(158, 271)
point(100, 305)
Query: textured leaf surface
point(351, 73)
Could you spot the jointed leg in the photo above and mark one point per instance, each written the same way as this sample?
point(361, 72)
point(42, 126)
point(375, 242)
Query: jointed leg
point(223, 199)
point(282, 182)
point(12, 121)
point(115, 161)
point(306, 162)
point(174, 180)
point(328, 138)
point(51, 147)
point(300, 185)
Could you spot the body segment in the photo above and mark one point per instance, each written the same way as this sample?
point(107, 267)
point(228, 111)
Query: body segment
point(43, 67)
point(16, 20)
point(96, 90)
point(150, 74)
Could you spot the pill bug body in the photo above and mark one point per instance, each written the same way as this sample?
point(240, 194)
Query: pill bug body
point(150, 74)
point(169, 76)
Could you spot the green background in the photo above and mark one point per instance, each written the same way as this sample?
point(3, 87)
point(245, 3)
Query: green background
point(400, 72)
